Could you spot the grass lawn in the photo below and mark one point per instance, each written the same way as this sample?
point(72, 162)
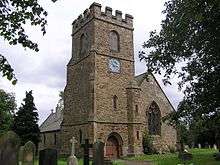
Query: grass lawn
point(200, 157)
point(63, 161)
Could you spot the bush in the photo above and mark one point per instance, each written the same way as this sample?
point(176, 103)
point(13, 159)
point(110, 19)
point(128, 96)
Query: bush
point(148, 144)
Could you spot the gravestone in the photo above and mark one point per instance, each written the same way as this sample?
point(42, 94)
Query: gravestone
point(199, 146)
point(186, 147)
point(72, 160)
point(86, 147)
point(48, 157)
point(215, 147)
point(29, 150)
point(20, 155)
point(9, 147)
point(217, 156)
point(185, 156)
point(98, 153)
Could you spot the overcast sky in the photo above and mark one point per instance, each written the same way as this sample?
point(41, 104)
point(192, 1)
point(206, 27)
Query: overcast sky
point(45, 72)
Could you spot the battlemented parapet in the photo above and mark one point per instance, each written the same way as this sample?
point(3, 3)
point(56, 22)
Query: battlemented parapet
point(95, 11)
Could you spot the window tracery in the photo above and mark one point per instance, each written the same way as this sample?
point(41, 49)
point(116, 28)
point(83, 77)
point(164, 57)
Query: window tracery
point(154, 119)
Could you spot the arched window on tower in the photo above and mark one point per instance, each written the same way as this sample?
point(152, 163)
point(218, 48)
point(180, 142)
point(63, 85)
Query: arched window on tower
point(115, 100)
point(154, 119)
point(83, 44)
point(114, 41)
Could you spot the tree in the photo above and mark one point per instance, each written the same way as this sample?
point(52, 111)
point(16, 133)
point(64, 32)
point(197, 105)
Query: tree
point(25, 121)
point(179, 121)
point(188, 46)
point(193, 128)
point(7, 108)
point(14, 14)
point(60, 104)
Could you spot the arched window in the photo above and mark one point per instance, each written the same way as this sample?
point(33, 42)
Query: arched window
point(154, 119)
point(80, 136)
point(83, 44)
point(114, 41)
point(115, 100)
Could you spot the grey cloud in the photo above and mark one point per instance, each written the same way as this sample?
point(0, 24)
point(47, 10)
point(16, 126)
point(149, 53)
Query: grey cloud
point(45, 71)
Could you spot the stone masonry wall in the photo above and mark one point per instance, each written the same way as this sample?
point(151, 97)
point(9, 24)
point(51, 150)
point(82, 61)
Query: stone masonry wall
point(152, 92)
point(74, 130)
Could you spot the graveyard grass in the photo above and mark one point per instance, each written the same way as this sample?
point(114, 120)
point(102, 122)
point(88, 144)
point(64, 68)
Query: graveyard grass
point(200, 157)
point(63, 161)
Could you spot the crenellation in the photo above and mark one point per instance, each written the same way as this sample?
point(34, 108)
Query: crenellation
point(95, 8)
point(108, 11)
point(114, 17)
point(103, 14)
point(80, 18)
point(74, 22)
point(129, 18)
point(86, 13)
point(118, 15)
point(95, 11)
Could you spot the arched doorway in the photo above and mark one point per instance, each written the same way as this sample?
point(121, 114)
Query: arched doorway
point(113, 148)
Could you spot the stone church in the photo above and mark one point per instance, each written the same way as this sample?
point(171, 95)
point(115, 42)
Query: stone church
point(103, 99)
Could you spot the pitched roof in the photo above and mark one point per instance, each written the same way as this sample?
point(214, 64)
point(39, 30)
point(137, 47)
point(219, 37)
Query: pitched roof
point(52, 123)
point(140, 78)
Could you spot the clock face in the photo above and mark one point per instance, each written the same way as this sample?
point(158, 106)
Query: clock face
point(114, 65)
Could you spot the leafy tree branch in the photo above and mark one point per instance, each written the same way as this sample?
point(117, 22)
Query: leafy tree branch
point(14, 14)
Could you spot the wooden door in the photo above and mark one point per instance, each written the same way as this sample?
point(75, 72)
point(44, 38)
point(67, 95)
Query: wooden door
point(112, 148)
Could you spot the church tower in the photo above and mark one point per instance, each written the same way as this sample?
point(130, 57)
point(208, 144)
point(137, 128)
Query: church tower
point(99, 81)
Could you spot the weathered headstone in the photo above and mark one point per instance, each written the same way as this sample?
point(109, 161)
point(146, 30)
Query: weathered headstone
point(86, 147)
point(217, 156)
point(98, 153)
point(9, 147)
point(199, 146)
point(185, 156)
point(48, 157)
point(186, 147)
point(73, 141)
point(28, 153)
point(20, 155)
point(215, 147)
point(72, 160)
